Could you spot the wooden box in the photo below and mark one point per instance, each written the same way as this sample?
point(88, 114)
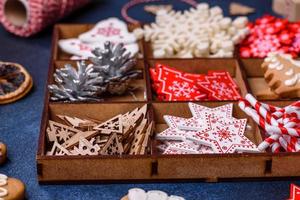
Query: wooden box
point(154, 166)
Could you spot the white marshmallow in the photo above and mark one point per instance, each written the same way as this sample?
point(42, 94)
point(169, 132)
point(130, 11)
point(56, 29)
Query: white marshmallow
point(156, 195)
point(227, 46)
point(202, 6)
point(240, 22)
point(216, 10)
point(173, 197)
point(203, 47)
point(137, 194)
point(225, 23)
point(159, 53)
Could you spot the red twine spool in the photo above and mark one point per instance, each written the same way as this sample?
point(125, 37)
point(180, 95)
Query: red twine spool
point(27, 17)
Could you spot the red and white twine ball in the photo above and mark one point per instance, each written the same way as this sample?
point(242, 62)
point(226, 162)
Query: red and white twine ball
point(37, 14)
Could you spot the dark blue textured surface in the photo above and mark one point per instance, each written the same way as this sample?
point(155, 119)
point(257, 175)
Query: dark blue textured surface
point(20, 121)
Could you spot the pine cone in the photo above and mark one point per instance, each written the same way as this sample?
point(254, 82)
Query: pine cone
point(111, 71)
point(81, 85)
point(115, 67)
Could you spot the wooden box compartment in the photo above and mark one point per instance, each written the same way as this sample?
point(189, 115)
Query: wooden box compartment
point(140, 84)
point(67, 31)
point(202, 66)
point(218, 167)
point(207, 166)
point(89, 168)
point(256, 81)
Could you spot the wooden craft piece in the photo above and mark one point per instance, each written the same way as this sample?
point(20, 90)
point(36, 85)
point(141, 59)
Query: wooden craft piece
point(240, 9)
point(282, 73)
point(127, 143)
point(58, 150)
point(60, 132)
point(11, 188)
point(288, 9)
point(101, 139)
point(86, 147)
point(74, 140)
point(77, 122)
point(130, 129)
point(129, 120)
point(279, 7)
point(153, 9)
point(113, 125)
point(149, 132)
point(138, 138)
point(108, 138)
point(3, 153)
point(113, 146)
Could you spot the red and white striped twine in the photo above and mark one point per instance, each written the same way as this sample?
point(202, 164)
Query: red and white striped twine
point(280, 124)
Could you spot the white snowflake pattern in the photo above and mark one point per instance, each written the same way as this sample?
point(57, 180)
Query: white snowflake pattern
point(222, 89)
point(181, 89)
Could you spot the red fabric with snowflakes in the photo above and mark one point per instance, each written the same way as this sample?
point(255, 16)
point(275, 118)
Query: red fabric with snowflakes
point(170, 84)
point(271, 34)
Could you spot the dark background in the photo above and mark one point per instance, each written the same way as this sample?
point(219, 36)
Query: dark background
point(20, 121)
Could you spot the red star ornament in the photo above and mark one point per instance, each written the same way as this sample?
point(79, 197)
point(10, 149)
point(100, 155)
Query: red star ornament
point(220, 86)
point(226, 138)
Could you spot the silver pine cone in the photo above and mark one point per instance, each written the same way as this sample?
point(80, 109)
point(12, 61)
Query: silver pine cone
point(115, 66)
point(110, 72)
point(77, 85)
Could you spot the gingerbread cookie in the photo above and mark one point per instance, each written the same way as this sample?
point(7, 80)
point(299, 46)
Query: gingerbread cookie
point(2, 153)
point(11, 188)
point(15, 82)
point(282, 73)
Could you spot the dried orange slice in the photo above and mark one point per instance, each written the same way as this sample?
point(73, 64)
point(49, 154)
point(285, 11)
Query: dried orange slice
point(15, 82)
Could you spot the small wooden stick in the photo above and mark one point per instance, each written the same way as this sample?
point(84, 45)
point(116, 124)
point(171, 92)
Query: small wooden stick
point(146, 138)
point(153, 9)
point(240, 9)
